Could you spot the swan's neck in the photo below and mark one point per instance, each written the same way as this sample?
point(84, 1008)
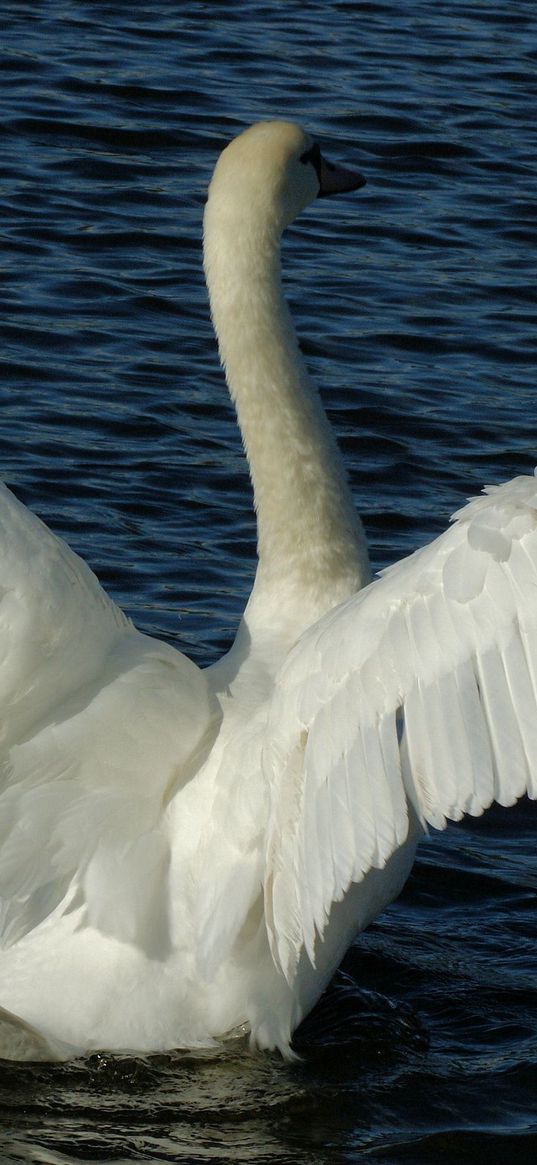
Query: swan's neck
point(311, 546)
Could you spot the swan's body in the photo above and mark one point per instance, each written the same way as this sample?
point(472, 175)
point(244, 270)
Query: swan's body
point(185, 853)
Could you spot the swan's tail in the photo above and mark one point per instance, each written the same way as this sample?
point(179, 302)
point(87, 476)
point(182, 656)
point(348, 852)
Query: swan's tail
point(20, 1041)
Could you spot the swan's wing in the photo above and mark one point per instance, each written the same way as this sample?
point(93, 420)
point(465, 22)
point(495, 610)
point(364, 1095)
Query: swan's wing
point(97, 724)
point(56, 622)
point(443, 645)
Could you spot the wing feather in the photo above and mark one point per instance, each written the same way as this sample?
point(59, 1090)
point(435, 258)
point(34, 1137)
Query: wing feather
point(97, 721)
point(422, 688)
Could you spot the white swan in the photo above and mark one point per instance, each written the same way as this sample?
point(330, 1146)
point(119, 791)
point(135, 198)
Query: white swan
point(185, 853)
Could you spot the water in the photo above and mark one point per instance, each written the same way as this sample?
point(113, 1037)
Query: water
point(416, 304)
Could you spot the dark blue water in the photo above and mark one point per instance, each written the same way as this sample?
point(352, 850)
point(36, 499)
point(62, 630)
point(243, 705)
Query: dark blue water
point(416, 304)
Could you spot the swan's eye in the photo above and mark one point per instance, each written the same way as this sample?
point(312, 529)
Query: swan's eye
point(313, 155)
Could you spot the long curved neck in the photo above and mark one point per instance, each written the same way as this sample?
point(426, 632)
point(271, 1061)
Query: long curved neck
point(311, 546)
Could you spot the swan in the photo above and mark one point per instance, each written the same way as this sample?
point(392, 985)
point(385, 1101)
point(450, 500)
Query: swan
point(186, 854)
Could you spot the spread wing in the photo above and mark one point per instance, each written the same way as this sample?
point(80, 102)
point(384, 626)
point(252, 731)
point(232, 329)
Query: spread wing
point(422, 686)
point(97, 722)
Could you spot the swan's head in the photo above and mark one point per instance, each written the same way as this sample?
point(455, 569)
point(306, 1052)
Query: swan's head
point(271, 172)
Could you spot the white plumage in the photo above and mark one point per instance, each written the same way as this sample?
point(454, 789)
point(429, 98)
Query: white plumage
point(442, 652)
point(185, 854)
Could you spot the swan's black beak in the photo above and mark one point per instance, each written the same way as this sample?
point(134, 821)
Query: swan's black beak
point(336, 179)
